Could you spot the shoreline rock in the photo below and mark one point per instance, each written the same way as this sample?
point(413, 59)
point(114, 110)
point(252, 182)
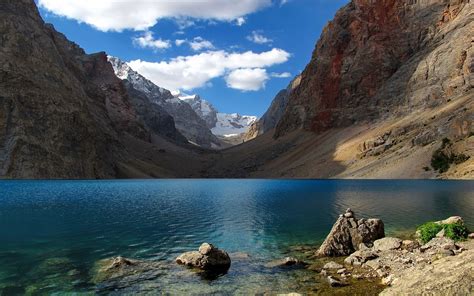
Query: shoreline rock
point(348, 233)
point(391, 260)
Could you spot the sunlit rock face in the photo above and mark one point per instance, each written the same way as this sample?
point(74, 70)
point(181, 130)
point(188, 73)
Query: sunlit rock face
point(274, 113)
point(378, 59)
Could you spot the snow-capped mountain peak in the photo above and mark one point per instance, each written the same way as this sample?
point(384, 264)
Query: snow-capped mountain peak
point(232, 124)
point(125, 72)
point(221, 124)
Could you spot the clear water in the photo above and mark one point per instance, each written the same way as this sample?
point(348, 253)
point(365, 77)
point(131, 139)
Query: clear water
point(52, 232)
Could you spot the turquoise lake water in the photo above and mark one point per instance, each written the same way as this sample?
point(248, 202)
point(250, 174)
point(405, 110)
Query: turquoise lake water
point(52, 232)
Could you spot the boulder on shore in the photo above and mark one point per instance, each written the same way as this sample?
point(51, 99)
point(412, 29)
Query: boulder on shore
point(208, 258)
point(348, 233)
point(387, 244)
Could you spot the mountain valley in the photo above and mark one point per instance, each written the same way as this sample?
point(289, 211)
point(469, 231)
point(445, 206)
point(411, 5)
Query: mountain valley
point(390, 86)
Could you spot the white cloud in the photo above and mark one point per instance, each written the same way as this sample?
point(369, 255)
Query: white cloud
point(240, 21)
point(189, 72)
point(258, 38)
point(200, 43)
point(179, 42)
point(283, 2)
point(148, 41)
point(247, 79)
point(281, 75)
point(197, 44)
point(114, 15)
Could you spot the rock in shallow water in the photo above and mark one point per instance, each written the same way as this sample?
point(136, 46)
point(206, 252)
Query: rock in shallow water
point(286, 262)
point(119, 273)
point(335, 282)
point(208, 258)
point(348, 233)
point(332, 265)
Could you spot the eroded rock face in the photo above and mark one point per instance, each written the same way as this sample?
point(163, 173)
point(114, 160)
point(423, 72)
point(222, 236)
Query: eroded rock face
point(54, 115)
point(208, 258)
point(380, 59)
point(348, 233)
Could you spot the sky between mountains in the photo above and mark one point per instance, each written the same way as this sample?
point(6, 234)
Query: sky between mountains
point(236, 54)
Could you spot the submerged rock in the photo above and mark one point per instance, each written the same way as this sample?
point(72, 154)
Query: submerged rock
point(335, 282)
point(348, 233)
point(286, 262)
point(208, 258)
point(332, 265)
point(120, 271)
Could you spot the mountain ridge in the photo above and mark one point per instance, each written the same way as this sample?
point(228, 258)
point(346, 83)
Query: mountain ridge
point(389, 82)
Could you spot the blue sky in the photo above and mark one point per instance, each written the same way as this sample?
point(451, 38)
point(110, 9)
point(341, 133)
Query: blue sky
point(232, 55)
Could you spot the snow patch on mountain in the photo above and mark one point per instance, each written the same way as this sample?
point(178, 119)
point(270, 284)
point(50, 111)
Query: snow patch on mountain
point(221, 124)
point(229, 125)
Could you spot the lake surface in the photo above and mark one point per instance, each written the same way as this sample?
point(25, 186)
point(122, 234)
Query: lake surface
point(53, 232)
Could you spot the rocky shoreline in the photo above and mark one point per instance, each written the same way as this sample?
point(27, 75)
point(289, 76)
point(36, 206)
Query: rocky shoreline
point(355, 258)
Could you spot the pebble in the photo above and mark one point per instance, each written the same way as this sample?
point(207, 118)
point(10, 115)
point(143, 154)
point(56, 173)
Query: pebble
point(335, 282)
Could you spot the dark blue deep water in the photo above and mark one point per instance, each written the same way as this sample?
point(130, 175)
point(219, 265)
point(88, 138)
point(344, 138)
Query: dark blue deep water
point(76, 223)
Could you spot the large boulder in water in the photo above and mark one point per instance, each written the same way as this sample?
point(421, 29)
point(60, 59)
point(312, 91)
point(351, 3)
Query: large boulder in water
point(348, 233)
point(208, 258)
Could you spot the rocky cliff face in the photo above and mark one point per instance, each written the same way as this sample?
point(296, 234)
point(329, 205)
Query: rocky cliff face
point(187, 122)
point(64, 113)
point(203, 108)
point(273, 115)
point(53, 103)
point(381, 59)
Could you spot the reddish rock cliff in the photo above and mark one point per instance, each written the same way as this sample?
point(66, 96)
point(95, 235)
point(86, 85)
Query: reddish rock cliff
point(384, 58)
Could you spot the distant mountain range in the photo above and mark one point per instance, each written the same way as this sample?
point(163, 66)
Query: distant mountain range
point(195, 118)
point(221, 124)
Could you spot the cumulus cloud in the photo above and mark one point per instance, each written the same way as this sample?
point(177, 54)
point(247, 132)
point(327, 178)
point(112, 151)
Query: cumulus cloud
point(197, 44)
point(281, 75)
point(189, 72)
point(113, 15)
point(240, 21)
point(179, 42)
point(258, 38)
point(148, 41)
point(247, 79)
point(200, 43)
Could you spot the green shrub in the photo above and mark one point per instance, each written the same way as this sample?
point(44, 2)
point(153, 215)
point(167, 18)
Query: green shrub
point(446, 143)
point(455, 231)
point(429, 231)
point(460, 158)
point(440, 161)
